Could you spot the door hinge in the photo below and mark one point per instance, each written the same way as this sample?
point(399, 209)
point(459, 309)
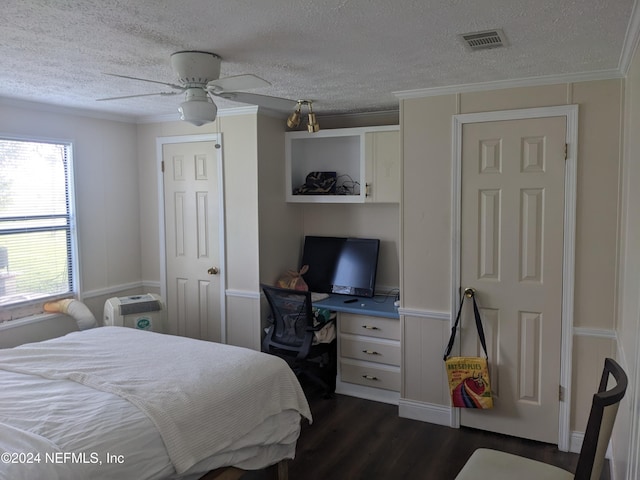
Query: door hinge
point(561, 393)
point(566, 150)
point(162, 166)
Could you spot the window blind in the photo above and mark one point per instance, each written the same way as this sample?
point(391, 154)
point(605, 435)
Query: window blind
point(36, 219)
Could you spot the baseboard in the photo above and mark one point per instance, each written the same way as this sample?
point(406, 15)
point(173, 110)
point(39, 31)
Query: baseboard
point(368, 393)
point(425, 412)
point(575, 444)
point(441, 415)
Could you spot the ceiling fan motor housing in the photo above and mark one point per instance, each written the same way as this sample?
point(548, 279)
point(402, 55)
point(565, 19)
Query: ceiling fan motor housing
point(196, 68)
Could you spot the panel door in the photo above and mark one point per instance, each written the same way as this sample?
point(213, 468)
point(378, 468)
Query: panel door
point(192, 219)
point(512, 246)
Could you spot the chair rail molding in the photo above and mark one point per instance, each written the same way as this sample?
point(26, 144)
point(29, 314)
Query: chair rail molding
point(413, 312)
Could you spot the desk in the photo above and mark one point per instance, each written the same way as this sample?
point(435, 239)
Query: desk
point(369, 350)
point(378, 306)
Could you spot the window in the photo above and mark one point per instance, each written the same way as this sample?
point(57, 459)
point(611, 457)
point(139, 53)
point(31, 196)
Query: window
point(37, 234)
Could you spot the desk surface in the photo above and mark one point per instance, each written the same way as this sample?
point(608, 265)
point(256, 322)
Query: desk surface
point(378, 306)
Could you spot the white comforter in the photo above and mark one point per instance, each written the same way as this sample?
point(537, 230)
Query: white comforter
point(202, 397)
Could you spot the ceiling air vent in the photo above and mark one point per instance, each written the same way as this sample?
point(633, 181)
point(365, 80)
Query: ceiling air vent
point(484, 40)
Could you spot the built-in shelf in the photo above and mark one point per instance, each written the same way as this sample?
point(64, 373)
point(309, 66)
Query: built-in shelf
point(361, 158)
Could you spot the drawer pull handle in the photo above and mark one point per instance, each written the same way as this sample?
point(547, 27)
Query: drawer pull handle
point(369, 327)
point(369, 377)
point(370, 352)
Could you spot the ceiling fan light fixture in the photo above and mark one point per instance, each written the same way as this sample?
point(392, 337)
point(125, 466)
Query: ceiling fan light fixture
point(198, 111)
point(196, 68)
point(199, 79)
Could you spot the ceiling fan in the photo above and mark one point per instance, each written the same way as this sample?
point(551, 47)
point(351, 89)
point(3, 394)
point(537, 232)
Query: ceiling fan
point(198, 78)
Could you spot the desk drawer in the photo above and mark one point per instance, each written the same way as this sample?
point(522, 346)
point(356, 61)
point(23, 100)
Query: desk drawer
point(371, 326)
point(371, 376)
point(370, 350)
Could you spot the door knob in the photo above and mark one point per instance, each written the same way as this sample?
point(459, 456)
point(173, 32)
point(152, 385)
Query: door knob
point(213, 271)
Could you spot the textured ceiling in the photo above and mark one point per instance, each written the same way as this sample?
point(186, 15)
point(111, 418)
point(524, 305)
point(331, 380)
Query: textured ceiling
point(346, 55)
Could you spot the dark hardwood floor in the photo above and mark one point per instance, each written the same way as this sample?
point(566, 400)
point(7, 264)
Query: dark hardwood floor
point(352, 439)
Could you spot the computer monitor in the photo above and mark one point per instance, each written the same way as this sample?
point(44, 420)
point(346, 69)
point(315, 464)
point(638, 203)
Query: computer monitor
point(341, 265)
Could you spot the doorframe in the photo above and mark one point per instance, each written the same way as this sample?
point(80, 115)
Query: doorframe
point(570, 112)
point(210, 137)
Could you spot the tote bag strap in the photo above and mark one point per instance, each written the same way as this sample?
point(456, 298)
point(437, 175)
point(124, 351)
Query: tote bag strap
point(476, 313)
point(454, 329)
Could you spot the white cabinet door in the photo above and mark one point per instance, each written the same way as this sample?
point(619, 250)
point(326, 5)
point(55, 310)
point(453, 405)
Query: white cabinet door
point(382, 157)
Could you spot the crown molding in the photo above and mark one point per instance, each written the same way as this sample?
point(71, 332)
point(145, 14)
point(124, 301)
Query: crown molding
point(515, 83)
point(631, 39)
point(100, 115)
point(59, 109)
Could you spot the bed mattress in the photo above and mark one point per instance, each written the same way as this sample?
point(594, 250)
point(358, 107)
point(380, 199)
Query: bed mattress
point(58, 428)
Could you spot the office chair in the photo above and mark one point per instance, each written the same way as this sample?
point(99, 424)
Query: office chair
point(291, 337)
point(491, 464)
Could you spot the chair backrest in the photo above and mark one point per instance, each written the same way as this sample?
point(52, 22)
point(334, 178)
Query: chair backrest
point(292, 317)
point(600, 424)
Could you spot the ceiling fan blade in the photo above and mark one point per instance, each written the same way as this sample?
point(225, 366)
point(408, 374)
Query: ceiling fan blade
point(172, 85)
point(237, 82)
point(164, 94)
point(272, 103)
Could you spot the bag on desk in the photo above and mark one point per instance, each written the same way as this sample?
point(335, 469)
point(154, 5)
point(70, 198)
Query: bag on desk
point(293, 280)
point(468, 377)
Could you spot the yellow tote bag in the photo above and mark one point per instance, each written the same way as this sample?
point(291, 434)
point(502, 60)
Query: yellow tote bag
point(468, 377)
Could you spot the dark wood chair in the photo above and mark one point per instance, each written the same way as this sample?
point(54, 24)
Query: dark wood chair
point(491, 464)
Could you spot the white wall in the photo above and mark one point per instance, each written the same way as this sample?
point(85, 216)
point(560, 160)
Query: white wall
point(426, 227)
point(239, 155)
point(367, 220)
point(106, 180)
point(258, 224)
point(626, 438)
point(361, 220)
point(27, 330)
point(281, 223)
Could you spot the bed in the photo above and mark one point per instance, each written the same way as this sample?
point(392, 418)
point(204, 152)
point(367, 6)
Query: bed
point(114, 402)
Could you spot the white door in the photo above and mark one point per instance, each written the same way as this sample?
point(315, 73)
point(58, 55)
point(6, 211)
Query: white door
point(192, 211)
point(512, 254)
